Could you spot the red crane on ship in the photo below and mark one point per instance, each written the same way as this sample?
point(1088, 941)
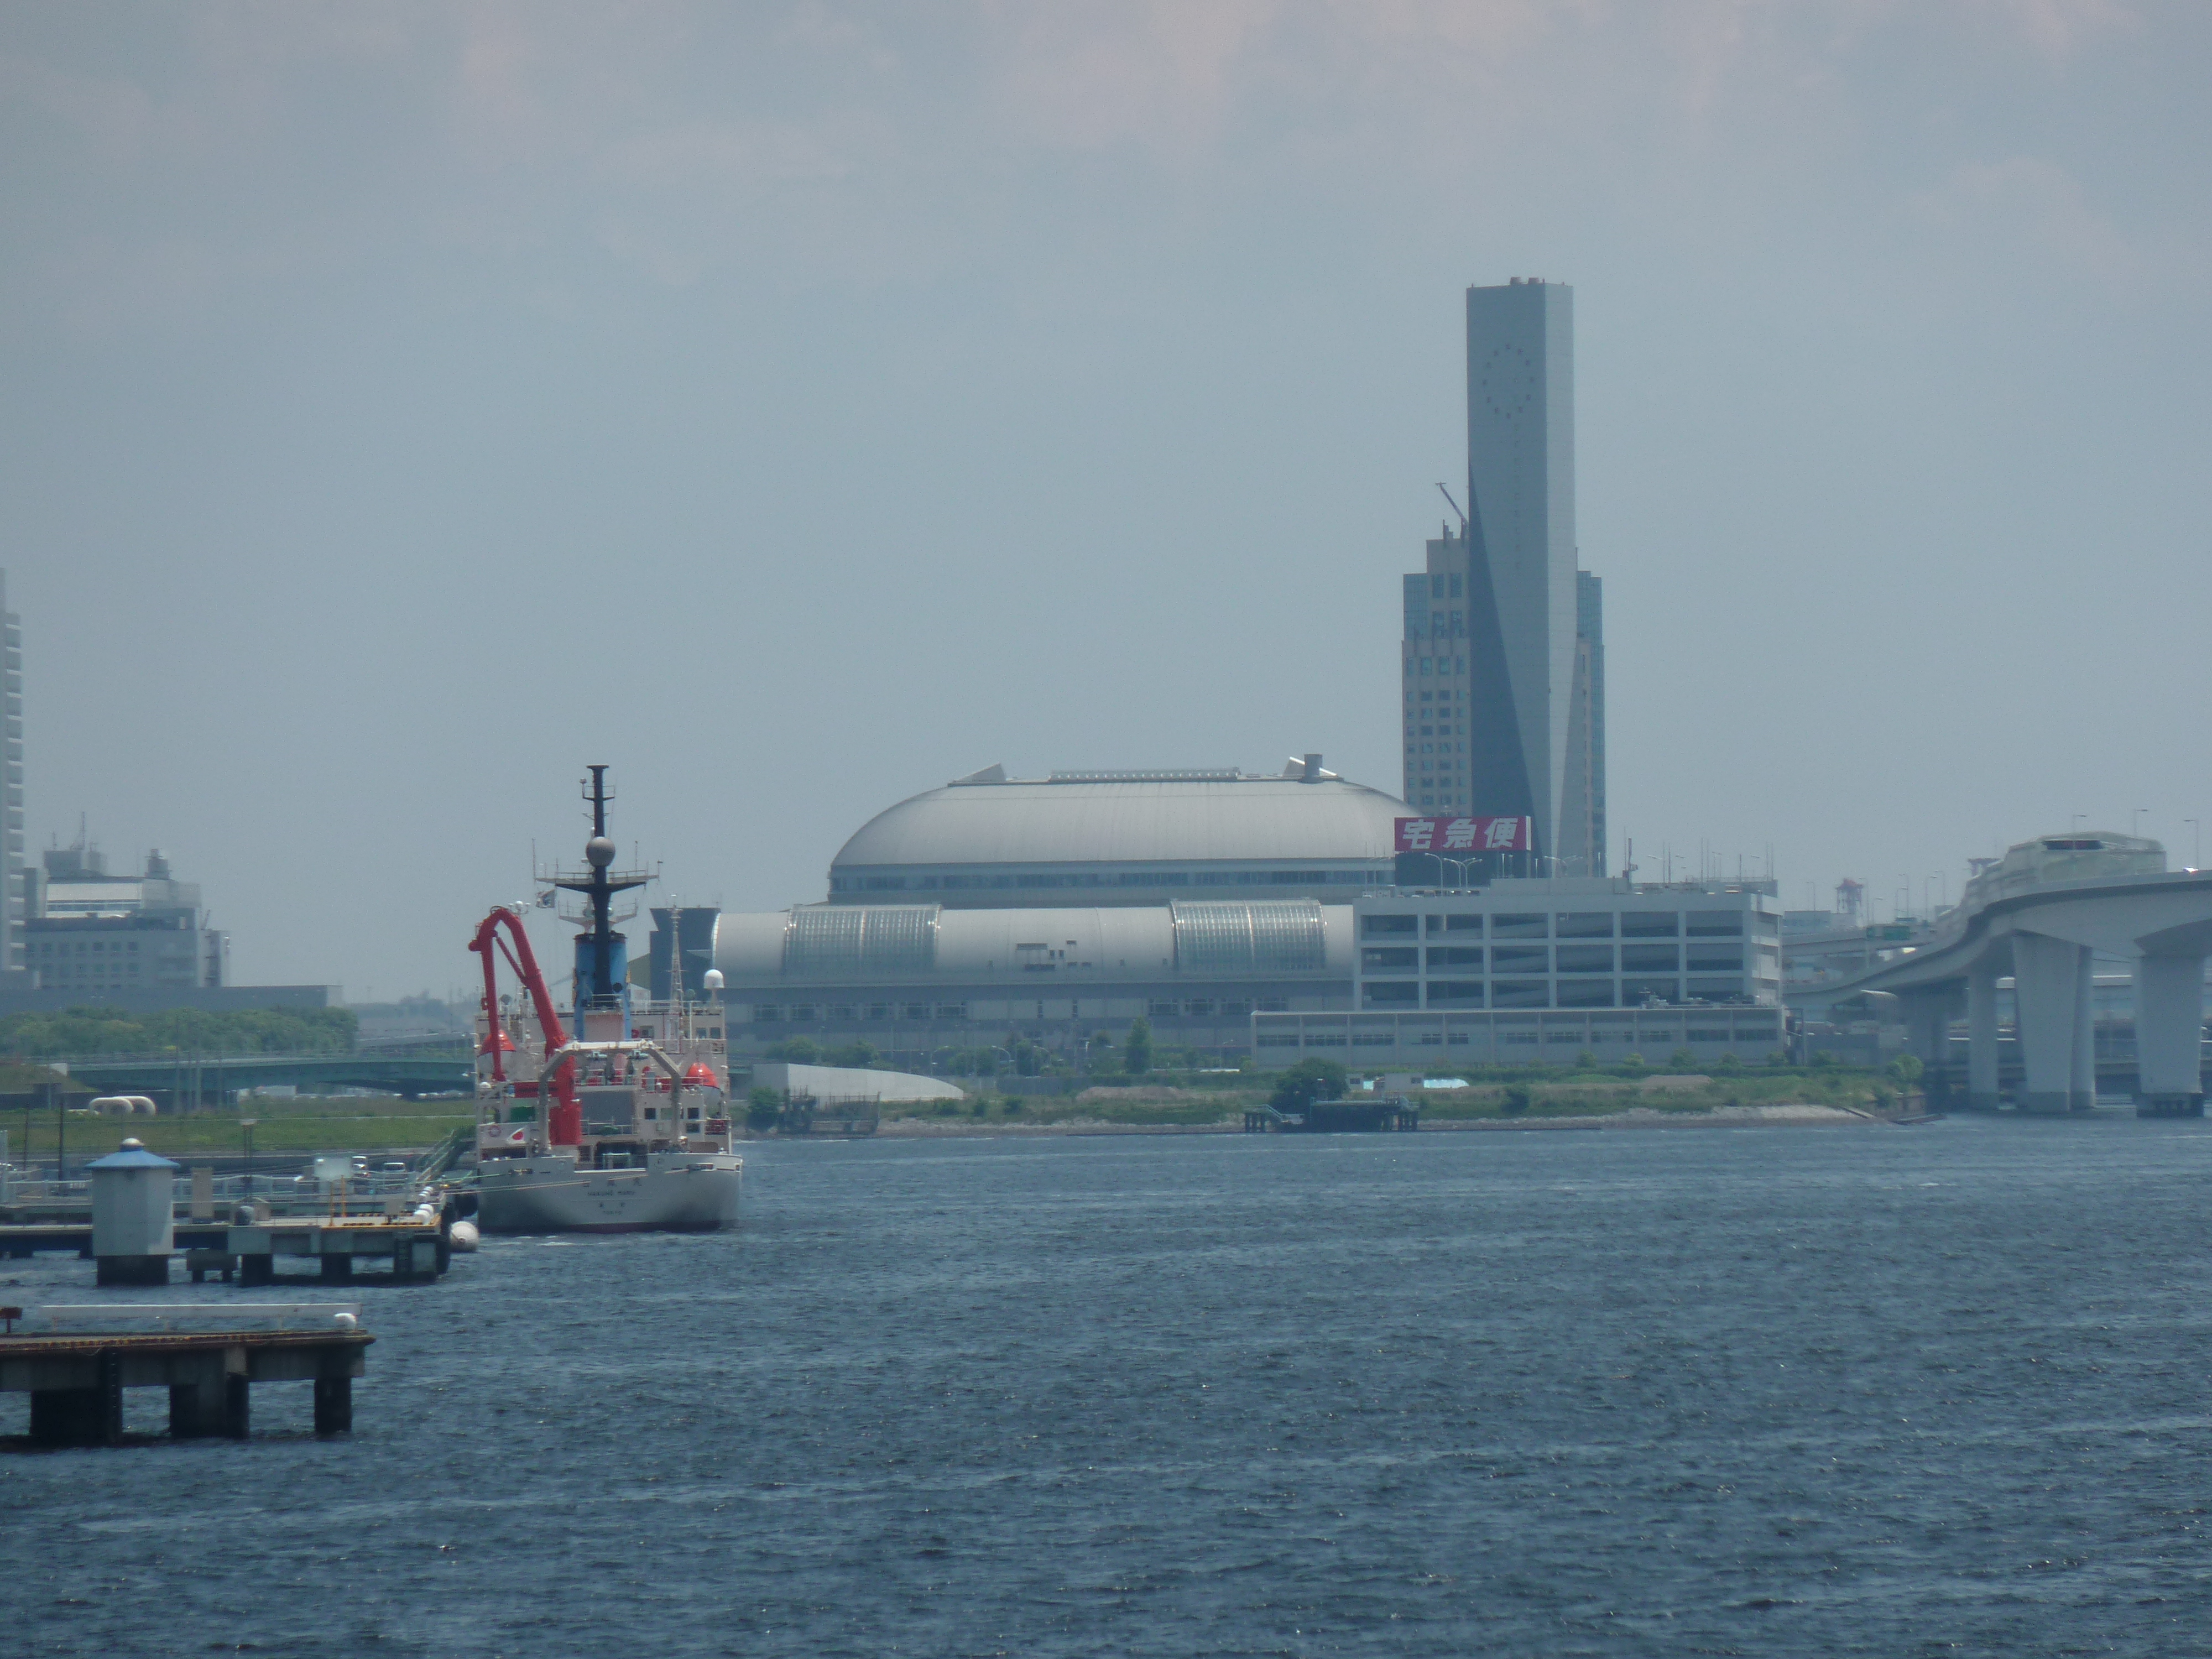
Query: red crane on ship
point(564, 1121)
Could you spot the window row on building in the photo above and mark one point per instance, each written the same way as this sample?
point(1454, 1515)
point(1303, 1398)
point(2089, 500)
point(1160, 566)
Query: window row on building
point(1715, 958)
point(1551, 994)
point(1732, 923)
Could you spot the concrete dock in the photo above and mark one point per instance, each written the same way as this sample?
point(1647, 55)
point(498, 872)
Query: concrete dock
point(417, 1250)
point(76, 1378)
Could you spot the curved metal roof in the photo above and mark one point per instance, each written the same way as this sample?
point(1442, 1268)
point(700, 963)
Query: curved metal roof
point(1088, 946)
point(1160, 820)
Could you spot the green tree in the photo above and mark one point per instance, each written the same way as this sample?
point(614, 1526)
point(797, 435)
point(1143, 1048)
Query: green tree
point(1308, 1081)
point(76, 1031)
point(762, 1108)
point(1681, 1061)
point(1906, 1069)
point(1137, 1052)
point(1029, 1058)
point(797, 1051)
point(1586, 1061)
point(861, 1052)
point(1517, 1099)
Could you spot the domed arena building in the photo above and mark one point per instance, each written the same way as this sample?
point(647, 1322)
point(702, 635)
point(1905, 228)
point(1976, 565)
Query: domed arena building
point(1063, 908)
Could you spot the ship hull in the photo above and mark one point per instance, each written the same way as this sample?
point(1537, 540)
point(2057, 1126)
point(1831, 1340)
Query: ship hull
point(676, 1193)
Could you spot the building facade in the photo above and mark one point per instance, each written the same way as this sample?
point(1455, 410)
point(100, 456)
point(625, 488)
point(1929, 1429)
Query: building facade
point(1521, 970)
point(1502, 661)
point(90, 931)
point(1064, 909)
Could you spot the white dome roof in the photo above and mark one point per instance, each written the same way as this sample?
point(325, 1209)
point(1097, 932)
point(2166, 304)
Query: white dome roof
point(1223, 818)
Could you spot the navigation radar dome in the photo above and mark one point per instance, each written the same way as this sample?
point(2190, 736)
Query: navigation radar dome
point(713, 982)
point(599, 851)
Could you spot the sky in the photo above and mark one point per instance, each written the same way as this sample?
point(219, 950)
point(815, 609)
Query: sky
point(798, 405)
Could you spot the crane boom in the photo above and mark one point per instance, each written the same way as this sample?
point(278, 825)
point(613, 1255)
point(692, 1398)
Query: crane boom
point(564, 1122)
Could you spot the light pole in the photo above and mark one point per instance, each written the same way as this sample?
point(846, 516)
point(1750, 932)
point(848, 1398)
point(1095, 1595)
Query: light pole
point(246, 1125)
point(2196, 844)
point(2134, 818)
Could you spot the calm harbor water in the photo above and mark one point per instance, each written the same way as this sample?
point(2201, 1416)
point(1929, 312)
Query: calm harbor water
point(1937, 1390)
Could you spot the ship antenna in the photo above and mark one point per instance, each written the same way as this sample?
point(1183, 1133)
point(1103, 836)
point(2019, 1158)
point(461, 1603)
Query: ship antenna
point(599, 887)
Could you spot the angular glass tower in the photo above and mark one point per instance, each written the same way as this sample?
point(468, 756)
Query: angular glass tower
point(1504, 652)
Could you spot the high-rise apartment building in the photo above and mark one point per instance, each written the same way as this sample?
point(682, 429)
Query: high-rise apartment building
point(11, 785)
point(1504, 668)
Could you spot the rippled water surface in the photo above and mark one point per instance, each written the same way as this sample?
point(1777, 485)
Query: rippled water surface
point(1938, 1390)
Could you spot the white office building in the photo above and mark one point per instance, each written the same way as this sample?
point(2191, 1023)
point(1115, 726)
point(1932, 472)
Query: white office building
point(1539, 971)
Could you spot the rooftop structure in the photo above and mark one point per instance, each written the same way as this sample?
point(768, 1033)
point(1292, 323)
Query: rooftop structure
point(1122, 838)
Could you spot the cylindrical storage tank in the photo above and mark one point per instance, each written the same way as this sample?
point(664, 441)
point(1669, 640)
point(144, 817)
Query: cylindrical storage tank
point(133, 1216)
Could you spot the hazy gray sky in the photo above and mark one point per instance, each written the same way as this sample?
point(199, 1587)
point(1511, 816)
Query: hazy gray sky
point(798, 405)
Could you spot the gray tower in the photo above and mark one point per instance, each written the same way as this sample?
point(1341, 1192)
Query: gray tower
point(1504, 656)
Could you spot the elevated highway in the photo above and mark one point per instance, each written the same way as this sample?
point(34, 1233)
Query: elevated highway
point(2040, 915)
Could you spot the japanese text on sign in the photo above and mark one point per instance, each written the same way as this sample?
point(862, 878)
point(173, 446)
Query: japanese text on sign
point(1486, 834)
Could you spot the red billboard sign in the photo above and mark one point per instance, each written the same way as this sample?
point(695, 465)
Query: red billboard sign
point(1464, 835)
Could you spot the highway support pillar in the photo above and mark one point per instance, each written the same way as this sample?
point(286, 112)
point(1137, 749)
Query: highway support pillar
point(1927, 1028)
point(2169, 1035)
point(1982, 1036)
point(2050, 990)
point(2085, 1033)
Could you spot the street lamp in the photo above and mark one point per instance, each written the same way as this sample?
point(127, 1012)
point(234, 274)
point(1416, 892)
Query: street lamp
point(2196, 844)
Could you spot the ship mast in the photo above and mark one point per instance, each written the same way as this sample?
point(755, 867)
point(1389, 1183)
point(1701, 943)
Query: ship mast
point(601, 969)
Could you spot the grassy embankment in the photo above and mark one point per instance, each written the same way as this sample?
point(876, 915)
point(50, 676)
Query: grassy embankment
point(1500, 1093)
point(286, 1128)
point(282, 1128)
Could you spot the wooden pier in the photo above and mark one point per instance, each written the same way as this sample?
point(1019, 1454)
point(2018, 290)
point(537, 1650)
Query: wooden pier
point(75, 1379)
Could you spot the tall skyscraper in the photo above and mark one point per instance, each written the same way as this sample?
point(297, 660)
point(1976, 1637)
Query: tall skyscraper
point(1504, 667)
point(11, 785)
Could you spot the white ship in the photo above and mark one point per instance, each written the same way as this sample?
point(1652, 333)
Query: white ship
point(616, 1120)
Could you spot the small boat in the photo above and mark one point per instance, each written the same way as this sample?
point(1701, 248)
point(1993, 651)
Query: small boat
point(617, 1119)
